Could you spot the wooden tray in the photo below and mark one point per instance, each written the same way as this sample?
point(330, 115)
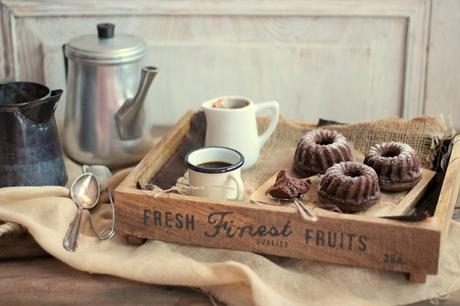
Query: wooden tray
point(351, 239)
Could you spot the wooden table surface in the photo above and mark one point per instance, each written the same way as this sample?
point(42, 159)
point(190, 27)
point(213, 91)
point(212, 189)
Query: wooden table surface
point(45, 280)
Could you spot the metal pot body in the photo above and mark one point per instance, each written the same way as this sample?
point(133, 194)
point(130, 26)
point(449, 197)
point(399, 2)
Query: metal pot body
point(95, 92)
point(30, 150)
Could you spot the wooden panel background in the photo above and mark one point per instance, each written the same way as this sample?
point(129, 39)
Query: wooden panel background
point(443, 74)
point(349, 60)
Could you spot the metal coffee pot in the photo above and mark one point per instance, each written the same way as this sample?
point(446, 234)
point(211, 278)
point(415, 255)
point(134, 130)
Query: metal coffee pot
point(30, 151)
point(104, 116)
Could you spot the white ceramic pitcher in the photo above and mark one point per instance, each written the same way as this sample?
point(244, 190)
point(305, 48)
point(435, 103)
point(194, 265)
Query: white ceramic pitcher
point(231, 122)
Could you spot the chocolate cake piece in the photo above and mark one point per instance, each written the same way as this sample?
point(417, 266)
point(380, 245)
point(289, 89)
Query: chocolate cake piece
point(288, 187)
point(396, 165)
point(318, 150)
point(351, 186)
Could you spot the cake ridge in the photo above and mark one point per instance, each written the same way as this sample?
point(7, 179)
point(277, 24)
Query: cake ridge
point(351, 186)
point(318, 150)
point(396, 165)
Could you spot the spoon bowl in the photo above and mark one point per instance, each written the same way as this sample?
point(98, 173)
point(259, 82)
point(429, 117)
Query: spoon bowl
point(85, 191)
point(102, 173)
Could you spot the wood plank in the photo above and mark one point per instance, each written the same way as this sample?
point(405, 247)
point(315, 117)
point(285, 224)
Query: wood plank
point(145, 170)
point(443, 69)
point(338, 238)
point(449, 191)
point(390, 40)
point(32, 8)
point(411, 198)
point(8, 47)
point(50, 282)
point(19, 244)
point(417, 277)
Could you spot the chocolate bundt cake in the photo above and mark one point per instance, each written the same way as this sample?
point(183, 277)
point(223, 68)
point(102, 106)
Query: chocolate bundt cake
point(396, 165)
point(318, 150)
point(351, 186)
point(288, 187)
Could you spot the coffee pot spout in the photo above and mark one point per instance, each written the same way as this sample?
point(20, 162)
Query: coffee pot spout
point(42, 110)
point(130, 117)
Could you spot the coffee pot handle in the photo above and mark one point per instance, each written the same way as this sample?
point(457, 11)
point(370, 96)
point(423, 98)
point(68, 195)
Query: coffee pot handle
point(66, 61)
point(273, 106)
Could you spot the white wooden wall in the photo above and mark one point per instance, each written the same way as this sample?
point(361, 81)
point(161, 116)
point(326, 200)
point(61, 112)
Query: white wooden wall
point(443, 74)
point(347, 60)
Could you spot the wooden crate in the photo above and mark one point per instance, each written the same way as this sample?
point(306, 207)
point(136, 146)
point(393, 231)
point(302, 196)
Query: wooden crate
point(349, 239)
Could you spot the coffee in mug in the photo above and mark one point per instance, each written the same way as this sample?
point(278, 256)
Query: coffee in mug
point(215, 172)
point(215, 164)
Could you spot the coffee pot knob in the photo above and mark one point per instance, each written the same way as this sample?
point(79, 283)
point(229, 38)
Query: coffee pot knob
point(105, 30)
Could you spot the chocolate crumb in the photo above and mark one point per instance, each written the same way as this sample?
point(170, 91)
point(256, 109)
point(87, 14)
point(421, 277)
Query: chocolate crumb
point(288, 187)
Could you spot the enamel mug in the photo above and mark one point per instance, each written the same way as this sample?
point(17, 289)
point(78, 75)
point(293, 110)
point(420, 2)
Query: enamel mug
point(215, 173)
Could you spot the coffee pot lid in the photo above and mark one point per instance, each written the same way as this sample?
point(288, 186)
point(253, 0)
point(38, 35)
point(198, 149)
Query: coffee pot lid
point(106, 48)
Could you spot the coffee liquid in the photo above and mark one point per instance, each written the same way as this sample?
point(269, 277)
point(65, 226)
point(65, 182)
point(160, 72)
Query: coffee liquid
point(230, 103)
point(215, 164)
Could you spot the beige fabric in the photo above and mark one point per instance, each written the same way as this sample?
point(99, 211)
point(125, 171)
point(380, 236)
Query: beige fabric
point(234, 277)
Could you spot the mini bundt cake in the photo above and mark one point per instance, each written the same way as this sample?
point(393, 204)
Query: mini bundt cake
point(318, 150)
point(396, 164)
point(351, 186)
point(288, 187)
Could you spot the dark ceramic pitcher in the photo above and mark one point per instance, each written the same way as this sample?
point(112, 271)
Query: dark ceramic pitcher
point(30, 151)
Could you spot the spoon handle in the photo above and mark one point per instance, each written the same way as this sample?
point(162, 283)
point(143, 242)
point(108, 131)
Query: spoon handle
point(304, 211)
point(71, 237)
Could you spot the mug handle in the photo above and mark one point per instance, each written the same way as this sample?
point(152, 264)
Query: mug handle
point(275, 109)
point(239, 187)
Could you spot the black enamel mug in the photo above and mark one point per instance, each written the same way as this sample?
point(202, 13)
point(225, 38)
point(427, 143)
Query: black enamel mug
point(30, 150)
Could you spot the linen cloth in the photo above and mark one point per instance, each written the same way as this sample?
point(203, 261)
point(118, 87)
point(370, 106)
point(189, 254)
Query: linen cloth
point(233, 277)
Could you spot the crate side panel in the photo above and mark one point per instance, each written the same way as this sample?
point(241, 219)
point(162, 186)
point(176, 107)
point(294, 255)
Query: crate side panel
point(383, 245)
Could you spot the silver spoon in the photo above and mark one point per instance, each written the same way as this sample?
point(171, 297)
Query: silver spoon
point(103, 175)
point(303, 210)
point(84, 192)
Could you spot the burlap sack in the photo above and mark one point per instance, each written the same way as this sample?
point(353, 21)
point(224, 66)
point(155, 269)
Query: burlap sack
point(424, 134)
point(234, 277)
